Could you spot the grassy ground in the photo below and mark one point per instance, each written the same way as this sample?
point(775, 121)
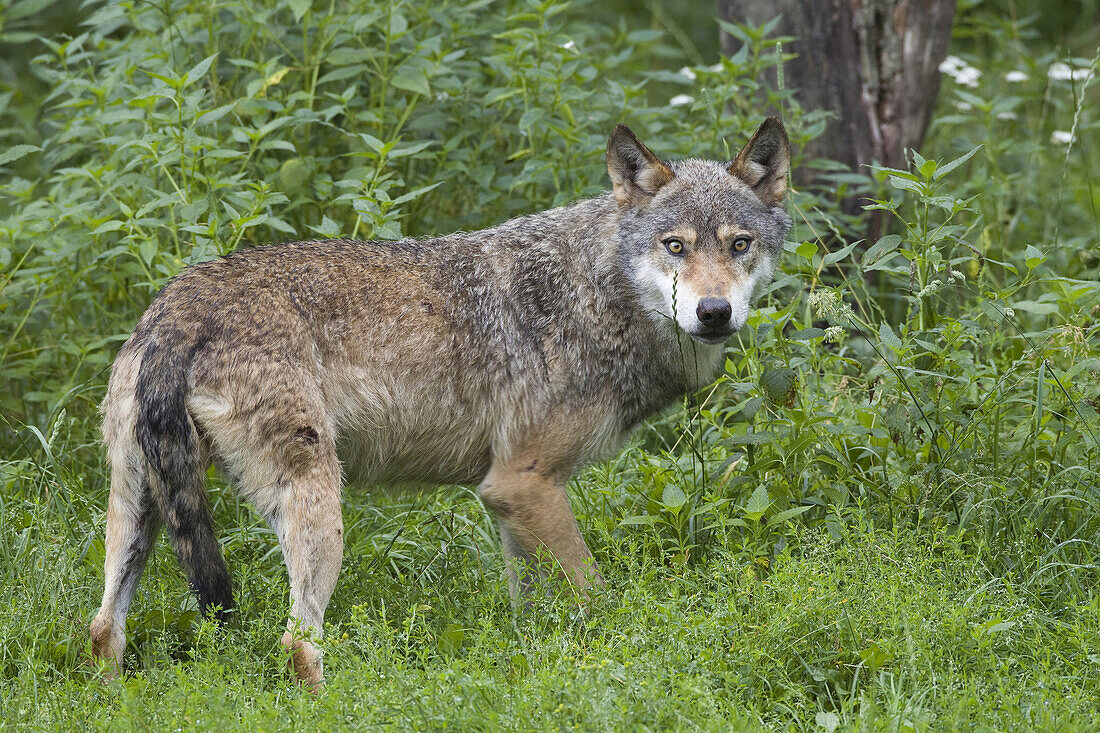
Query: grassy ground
point(870, 629)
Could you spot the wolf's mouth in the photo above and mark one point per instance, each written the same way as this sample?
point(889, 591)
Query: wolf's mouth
point(713, 336)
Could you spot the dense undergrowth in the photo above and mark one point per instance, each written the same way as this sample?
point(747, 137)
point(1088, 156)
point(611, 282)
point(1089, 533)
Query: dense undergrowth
point(883, 516)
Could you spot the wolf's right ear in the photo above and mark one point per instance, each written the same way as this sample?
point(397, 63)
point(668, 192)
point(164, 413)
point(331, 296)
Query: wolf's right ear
point(764, 162)
point(636, 173)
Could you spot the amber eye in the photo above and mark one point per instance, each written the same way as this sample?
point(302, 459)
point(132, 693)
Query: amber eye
point(674, 246)
point(741, 244)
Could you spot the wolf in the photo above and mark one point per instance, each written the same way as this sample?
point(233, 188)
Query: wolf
point(506, 358)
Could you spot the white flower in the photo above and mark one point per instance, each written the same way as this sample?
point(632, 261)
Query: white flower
point(828, 305)
point(968, 77)
point(962, 72)
point(964, 106)
point(568, 45)
point(951, 65)
point(687, 73)
point(1006, 115)
point(1063, 72)
point(680, 100)
point(1062, 137)
point(930, 289)
point(833, 334)
point(1016, 77)
point(1060, 72)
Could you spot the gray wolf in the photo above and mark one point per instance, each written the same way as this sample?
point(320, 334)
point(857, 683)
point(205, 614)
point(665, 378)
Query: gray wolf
point(505, 358)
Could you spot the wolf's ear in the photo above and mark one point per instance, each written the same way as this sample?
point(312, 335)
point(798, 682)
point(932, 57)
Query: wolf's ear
point(636, 173)
point(764, 162)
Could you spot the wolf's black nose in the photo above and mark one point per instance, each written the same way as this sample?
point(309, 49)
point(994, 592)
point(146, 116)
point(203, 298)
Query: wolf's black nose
point(713, 311)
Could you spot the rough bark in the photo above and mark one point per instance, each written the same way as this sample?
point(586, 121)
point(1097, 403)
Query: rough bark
point(873, 63)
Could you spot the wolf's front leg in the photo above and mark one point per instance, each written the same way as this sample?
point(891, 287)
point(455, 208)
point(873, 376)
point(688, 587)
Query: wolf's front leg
point(538, 529)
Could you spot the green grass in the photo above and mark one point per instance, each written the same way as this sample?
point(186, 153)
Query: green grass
point(874, 629)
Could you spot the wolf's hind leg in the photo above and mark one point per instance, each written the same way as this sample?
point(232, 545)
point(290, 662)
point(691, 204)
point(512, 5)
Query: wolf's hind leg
point(524, 573)
point(309, 526)
point(132, 525)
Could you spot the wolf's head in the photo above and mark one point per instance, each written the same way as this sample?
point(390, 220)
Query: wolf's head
point(702, 237)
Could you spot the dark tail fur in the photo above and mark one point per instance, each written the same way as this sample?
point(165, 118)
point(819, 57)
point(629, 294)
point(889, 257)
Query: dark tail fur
point(170, 443)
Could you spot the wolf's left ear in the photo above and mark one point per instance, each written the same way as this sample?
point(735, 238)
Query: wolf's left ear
point(636, 173)
point(764, 162)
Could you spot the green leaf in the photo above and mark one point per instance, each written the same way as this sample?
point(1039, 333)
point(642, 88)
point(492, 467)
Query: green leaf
point(806, 334)
point(948, 167)
point(779, 384)
point(198, 70)
point(327, 228)
point(416, 193)
point(758, 503)
point(751, 407)
point(927, 169)
point(806, 250)
point(531, 118)
point(673, 497)
point(450, 639)
point(412, 80)
point(839, 254)
point(647, 520)
point(213, 115)
point(1031, 306)
point(874, 657)
point(1033, 257)
point(888, 337)
point(786, 514)
point(107, 226)
point(299, 8)
point(828, 720)
point(880, 249)
point(15, 152)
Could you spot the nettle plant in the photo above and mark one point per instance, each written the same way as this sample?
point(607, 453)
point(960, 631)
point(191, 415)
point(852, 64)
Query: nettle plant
point(904, 373)
point(176, 132)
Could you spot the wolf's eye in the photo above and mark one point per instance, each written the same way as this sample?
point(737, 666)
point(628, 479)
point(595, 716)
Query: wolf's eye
point(741, 244)
point(674, 246)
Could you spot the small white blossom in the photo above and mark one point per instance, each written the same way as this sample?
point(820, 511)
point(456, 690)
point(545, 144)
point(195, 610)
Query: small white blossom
point(968, 77)
point(963, 73)
point(687, 73)
point(1062, 137)
point(964, 106)
point(930, 289)
point(1006, 115)
point(951, 65)
point(680, 100)
point(568, 45)
point(1016, 77)
point(957, 275)
point(1010, 313)
point(828, 305)
point(1060, 71)
point(1064, 72)
point(833, 334)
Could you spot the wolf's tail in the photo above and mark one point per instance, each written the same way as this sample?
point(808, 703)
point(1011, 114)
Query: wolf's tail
point(171, 446)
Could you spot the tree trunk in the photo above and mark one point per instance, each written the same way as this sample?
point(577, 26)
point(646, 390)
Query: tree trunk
point(873, 63)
